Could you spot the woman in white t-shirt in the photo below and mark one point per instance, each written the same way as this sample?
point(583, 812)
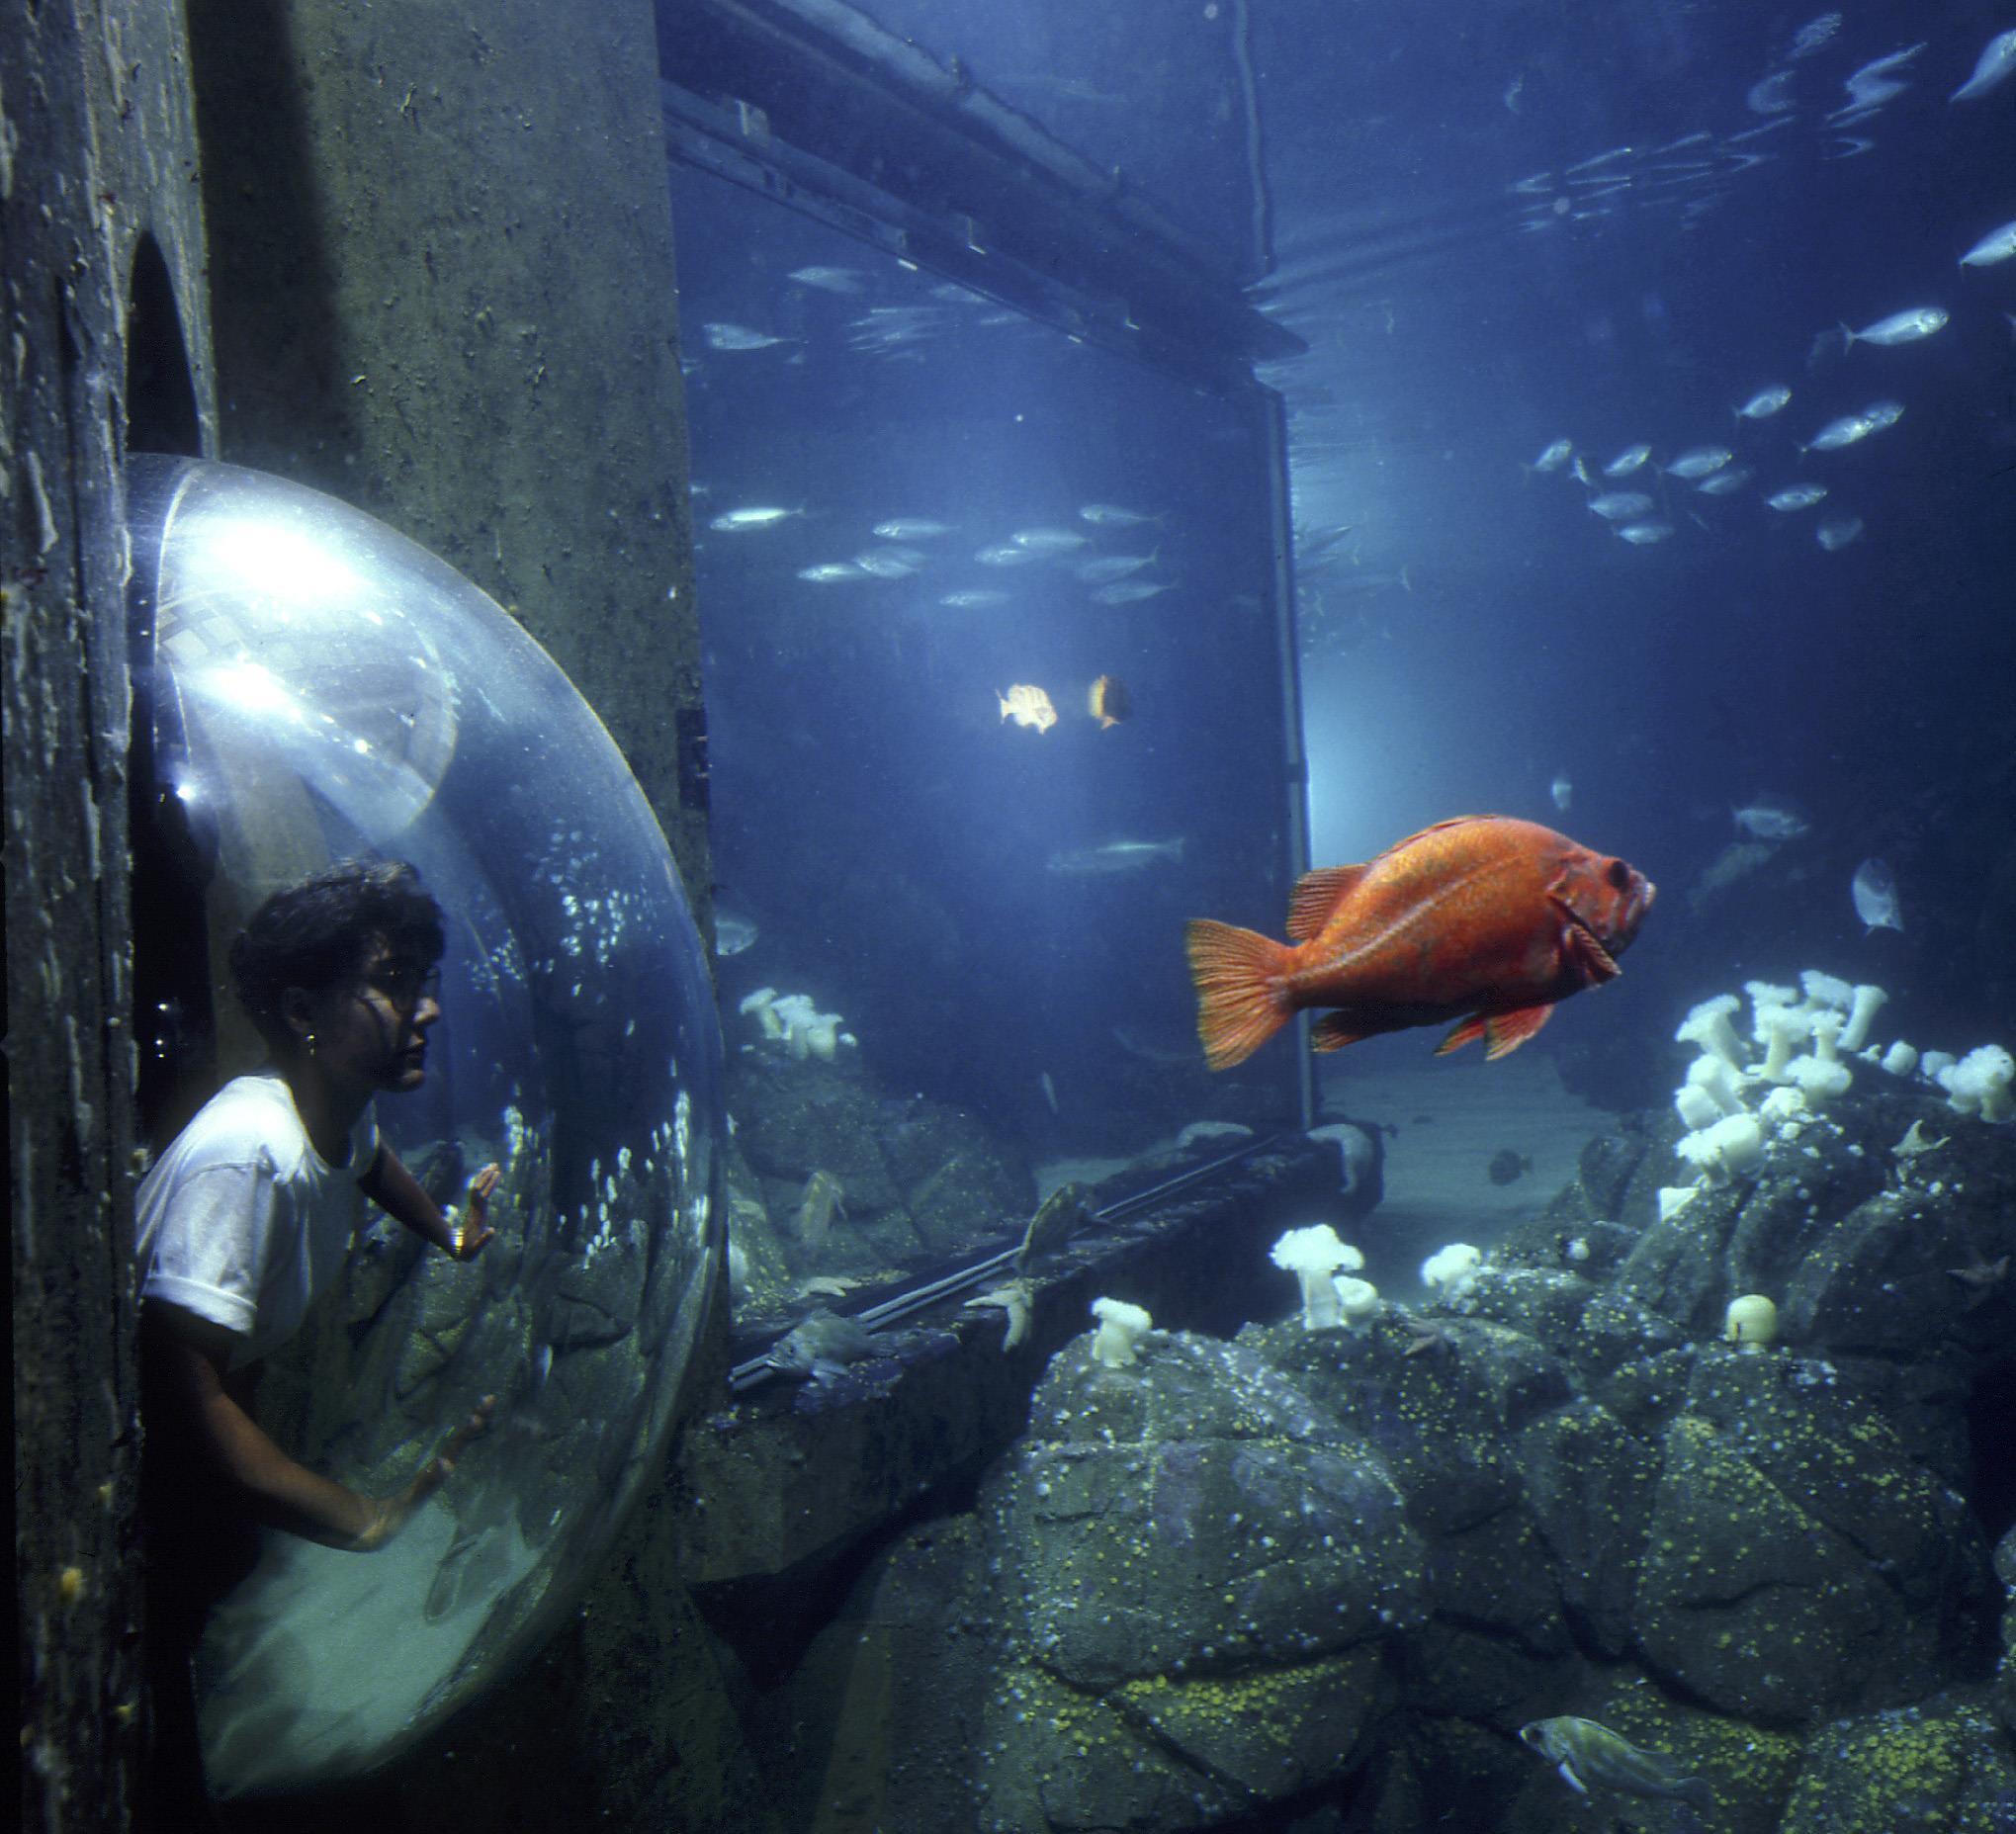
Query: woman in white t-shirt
point(247, 1215)
point(246, 1218)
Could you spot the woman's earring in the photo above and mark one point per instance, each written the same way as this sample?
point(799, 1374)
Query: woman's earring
point(311, 1044)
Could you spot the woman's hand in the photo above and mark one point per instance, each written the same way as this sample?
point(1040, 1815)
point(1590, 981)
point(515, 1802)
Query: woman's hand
point(384, 1517)
point(472, 1231)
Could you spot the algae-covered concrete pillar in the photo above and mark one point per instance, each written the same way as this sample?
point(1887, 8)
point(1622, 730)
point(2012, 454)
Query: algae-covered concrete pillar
point(443, 288)
point(443, 284)
point(100, 256)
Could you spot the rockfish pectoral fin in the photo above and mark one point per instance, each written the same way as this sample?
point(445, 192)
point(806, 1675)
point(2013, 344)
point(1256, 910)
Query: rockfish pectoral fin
point(1581, 945)
point(1240, 1002)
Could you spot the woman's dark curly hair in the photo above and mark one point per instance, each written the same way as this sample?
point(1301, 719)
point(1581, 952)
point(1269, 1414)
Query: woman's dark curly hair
point(323, 934)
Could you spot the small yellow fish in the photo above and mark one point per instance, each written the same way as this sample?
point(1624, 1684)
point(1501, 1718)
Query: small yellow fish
point(1108, 702)
point(1027, 705)
point(1590, 1757)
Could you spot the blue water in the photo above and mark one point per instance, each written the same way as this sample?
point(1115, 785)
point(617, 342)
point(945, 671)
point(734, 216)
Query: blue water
point(1673, 681)
point(1495, 226)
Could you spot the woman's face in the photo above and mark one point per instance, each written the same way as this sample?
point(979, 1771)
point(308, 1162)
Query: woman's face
point(373, 1036)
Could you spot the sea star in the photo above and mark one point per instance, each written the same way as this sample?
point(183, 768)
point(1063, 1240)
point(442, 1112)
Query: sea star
point(1430, 1338)
point(1014, 1299)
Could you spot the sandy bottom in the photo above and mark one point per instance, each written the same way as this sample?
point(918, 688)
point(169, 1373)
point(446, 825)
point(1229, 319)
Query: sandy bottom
point(1444, 1119)
point(1454, 1115)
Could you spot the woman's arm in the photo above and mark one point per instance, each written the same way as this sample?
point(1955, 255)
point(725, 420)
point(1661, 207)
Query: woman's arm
point(191, 1415)
point(400, 1194)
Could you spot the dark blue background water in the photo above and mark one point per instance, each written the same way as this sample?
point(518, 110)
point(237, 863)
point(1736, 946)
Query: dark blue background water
point(1483, 631)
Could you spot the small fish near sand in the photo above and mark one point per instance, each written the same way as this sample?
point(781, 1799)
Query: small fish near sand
point(1508, 1166)
point(1594, 1760)
point(1027, 705)
point(1487, 920)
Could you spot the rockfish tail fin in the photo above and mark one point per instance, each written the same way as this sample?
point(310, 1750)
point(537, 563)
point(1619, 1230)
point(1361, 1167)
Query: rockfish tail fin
point(1241, 1001)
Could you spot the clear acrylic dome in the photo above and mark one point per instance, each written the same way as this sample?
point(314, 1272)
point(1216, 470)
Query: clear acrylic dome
point(318, 686)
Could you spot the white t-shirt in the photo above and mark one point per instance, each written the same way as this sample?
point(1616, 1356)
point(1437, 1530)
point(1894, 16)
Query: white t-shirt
point(243, 1222)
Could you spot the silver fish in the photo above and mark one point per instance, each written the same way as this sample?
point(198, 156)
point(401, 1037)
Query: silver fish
point(1130, 591)
point(912, 528)
point(1699, 461)
point(1770, 818)
point(974, 601)
point(1111, 566)
point(1723, 482)
point(1767, 97)
point(1112, 516)
point(1991, 69)
point(732, 935)
point(756, 516)
point(1996, 245)
point(1904, 327)
point(1115, 856)
point(830, 572)
point(1555, 455)
point(1796, 496)
point(1765, 403)
point(1627, 460)
point(1645, 533)
point(889, 563)
point(741, 337)
point(1006, 554)
point(1620, 505)
point(1048, 541)
point(830, 280)
point(1590, 1755)
point(1813, 35)
point(1562, 791)
point(1838, 533)
point(1838, 433)
point(1874, 891)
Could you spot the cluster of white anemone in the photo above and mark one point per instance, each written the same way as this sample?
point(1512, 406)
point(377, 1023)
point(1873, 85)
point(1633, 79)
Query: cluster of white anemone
point(794, 1022)
point(1327, 1266)
point(1795, 1057)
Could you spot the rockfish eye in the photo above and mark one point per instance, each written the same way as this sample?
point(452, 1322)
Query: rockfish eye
point(1619, 876)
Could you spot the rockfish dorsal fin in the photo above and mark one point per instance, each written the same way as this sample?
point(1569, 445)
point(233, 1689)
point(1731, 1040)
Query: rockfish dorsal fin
point(1316, 896)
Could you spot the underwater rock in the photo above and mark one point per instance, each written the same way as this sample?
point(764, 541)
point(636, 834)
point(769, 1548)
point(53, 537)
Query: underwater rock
point(1590, 1485)
point(1800, 1562)
point(793, 1119)
point(915, 1172)
point(1941, 1764)
point(1172, 1538)
point(2005, 1668)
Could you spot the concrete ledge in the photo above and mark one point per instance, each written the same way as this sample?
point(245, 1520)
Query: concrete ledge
point(795, 1476)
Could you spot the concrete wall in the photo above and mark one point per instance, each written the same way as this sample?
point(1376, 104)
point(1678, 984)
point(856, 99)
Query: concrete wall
point(97, 148)
point(442, 273)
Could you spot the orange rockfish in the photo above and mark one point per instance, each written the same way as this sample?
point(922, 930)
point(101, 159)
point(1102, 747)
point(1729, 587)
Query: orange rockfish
point(1485, 920)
